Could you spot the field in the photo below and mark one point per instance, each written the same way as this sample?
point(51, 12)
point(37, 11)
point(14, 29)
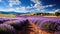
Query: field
point(7, 15)
point(36, 23)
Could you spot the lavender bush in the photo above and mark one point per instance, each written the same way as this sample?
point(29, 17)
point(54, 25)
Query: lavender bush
point(6, 29)
point(50, 26)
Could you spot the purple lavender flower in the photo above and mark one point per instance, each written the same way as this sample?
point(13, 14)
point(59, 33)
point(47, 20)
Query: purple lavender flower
point(6, 29)
point(50, 26)
point(15, 24)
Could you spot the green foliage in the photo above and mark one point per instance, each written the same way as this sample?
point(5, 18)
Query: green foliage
point(57, 14)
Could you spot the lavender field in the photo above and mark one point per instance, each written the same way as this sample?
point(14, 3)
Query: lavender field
point(21, 23)
point(29, 16)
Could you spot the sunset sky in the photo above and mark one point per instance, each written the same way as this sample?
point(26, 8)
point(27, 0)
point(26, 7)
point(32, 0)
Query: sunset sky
point(30, 5)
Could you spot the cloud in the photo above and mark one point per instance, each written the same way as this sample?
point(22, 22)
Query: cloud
point(32, 8)
point(36, 1)
point(8, 10)
point(57, 10)
point(21, 9)
point(31, 5)
point(10, 3)
point(38, 5)
point(14, 2)
point(17, 9)
point(51, 5)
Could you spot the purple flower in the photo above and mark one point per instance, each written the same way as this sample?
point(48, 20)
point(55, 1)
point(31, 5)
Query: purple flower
point(50, 26)
point(6, 29)
point(15, 24)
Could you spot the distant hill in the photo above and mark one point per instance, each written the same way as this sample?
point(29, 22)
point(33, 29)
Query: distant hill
point(12, 12)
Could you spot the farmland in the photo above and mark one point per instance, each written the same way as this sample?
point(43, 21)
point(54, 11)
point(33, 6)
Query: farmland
point(7, 15)
point(34, 21)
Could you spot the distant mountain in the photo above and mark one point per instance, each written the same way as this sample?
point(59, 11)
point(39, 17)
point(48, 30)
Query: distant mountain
point(12, 12)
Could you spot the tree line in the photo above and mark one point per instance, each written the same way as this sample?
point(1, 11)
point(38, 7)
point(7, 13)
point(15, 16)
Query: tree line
point(48, 14)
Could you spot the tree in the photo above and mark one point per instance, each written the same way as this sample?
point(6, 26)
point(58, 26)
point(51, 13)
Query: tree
point(57, 14)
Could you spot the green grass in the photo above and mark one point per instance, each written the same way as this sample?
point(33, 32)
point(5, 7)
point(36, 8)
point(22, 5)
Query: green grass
point(7, 15)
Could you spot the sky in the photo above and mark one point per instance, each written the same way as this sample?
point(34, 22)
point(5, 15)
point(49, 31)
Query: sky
point(32, 6)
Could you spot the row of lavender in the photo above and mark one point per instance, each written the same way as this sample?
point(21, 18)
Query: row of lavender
point(47, 24)
point(18, 23)
point(12, 26)
point(16, 26)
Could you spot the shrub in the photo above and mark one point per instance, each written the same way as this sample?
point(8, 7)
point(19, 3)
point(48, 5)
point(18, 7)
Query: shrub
point(57, 14)
point(29, 28)
point(24, 27)
point(3, 20)
point(6, 29)
point(50, 26)
point(15, 24)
